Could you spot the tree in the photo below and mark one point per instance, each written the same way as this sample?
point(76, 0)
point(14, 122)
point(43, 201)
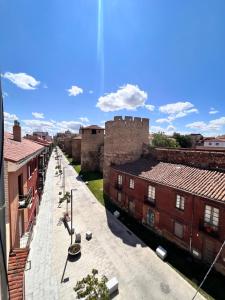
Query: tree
point(162, 140)
point(185, 141)
point(92, 288)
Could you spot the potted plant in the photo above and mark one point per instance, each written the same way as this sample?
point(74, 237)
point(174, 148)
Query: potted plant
point(92, 287)
point(66, 198)
point(74, 249)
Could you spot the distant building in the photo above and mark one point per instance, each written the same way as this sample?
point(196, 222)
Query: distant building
point(196, 139)
point(215, 143)
point(43, 135)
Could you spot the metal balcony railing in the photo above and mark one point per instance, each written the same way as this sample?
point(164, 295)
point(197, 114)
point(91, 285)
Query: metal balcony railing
point(149, 201)
point(24, 200)
point(209, 229)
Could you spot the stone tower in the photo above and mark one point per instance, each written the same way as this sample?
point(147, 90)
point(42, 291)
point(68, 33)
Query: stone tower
point(92, 138)
point(124, 140)
point(76, 149)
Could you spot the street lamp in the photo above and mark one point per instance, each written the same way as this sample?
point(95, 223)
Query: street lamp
point(71, 203)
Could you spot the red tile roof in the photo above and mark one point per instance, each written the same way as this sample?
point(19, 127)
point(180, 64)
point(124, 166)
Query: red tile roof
point(205, 183)
point(17, 262)
point(15, 151)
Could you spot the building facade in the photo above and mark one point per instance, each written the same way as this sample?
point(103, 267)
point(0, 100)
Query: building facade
point(185, 205)
point(215, 143)
point(25, 161)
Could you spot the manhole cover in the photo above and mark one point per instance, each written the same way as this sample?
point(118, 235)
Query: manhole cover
point(164, 288)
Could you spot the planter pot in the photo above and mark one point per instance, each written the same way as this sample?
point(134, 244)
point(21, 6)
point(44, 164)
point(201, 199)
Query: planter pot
point(74, 249)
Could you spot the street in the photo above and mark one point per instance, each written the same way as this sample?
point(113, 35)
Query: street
point(113, 250)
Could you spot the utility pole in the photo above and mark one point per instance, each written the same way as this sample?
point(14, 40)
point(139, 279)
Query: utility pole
point(3, 260)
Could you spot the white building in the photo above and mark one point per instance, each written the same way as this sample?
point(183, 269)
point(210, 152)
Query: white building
point(215, 143)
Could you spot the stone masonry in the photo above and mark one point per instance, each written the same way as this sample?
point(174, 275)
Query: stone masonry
point(76, 149)
point(124, 141)
point(92, 140)
point(191, 157)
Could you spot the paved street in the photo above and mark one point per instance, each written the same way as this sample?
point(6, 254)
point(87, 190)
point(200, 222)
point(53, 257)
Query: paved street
point(113, 250)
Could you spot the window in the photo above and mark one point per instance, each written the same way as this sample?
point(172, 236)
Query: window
point(151, 193)
point(120, 179)
point(119, 197)
point(180, 202)
point(150, 218)
point(211, 215)
point(178, 230)
point(210, 143)
point(217, 144)
point(93, 131)
point(131, 183)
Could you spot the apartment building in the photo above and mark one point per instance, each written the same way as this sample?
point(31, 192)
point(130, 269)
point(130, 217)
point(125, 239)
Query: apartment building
point(184, 204)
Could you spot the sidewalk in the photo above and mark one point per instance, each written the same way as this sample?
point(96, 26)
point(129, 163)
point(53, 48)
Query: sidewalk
point(113, 250)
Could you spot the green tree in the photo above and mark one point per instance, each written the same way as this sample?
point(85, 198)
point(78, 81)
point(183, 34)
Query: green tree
point(162, 140)
point(92, 288)
point(185, 141)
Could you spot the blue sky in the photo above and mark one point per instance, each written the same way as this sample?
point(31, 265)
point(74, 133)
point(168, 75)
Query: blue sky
point(84, 61)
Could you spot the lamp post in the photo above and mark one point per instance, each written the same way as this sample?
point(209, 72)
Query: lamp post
point(71, 203)
point(64, 182)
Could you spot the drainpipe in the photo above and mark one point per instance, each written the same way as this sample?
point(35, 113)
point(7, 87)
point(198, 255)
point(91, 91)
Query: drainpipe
point(192, 218)
point(3, 260)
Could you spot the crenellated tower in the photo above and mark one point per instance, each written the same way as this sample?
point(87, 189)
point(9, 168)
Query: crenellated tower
point(123, 142)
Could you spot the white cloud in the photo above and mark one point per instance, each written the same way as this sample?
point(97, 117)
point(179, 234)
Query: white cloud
point(91, 92)
point(210, 127)
point(45, 86)
point(9, 120)
point(38, 115)
point(126, 97)
point(10, 117)
point(169, 130)
point(22, 80)
point(150, 107)
point(176, 110)
point(4, 94)
point(74, 90)
point(213, 111)
point(84, 119)
point(51, 126)
point(162, 120)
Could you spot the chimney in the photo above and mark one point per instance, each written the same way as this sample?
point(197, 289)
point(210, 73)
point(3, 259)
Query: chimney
point(17, 131)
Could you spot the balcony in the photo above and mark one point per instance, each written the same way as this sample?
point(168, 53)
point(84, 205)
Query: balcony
point(118, 186)
point(41, 170)
point(25, 200)
point(209, 229)
point(149, 201)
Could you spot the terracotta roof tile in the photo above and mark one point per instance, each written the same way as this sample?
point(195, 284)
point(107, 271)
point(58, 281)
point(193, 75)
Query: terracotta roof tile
point(15, 151)
point(205, 183)
point(17, 262)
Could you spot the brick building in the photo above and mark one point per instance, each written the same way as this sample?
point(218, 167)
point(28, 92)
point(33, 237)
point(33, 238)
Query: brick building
point(24, 162)
point(184, 204)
